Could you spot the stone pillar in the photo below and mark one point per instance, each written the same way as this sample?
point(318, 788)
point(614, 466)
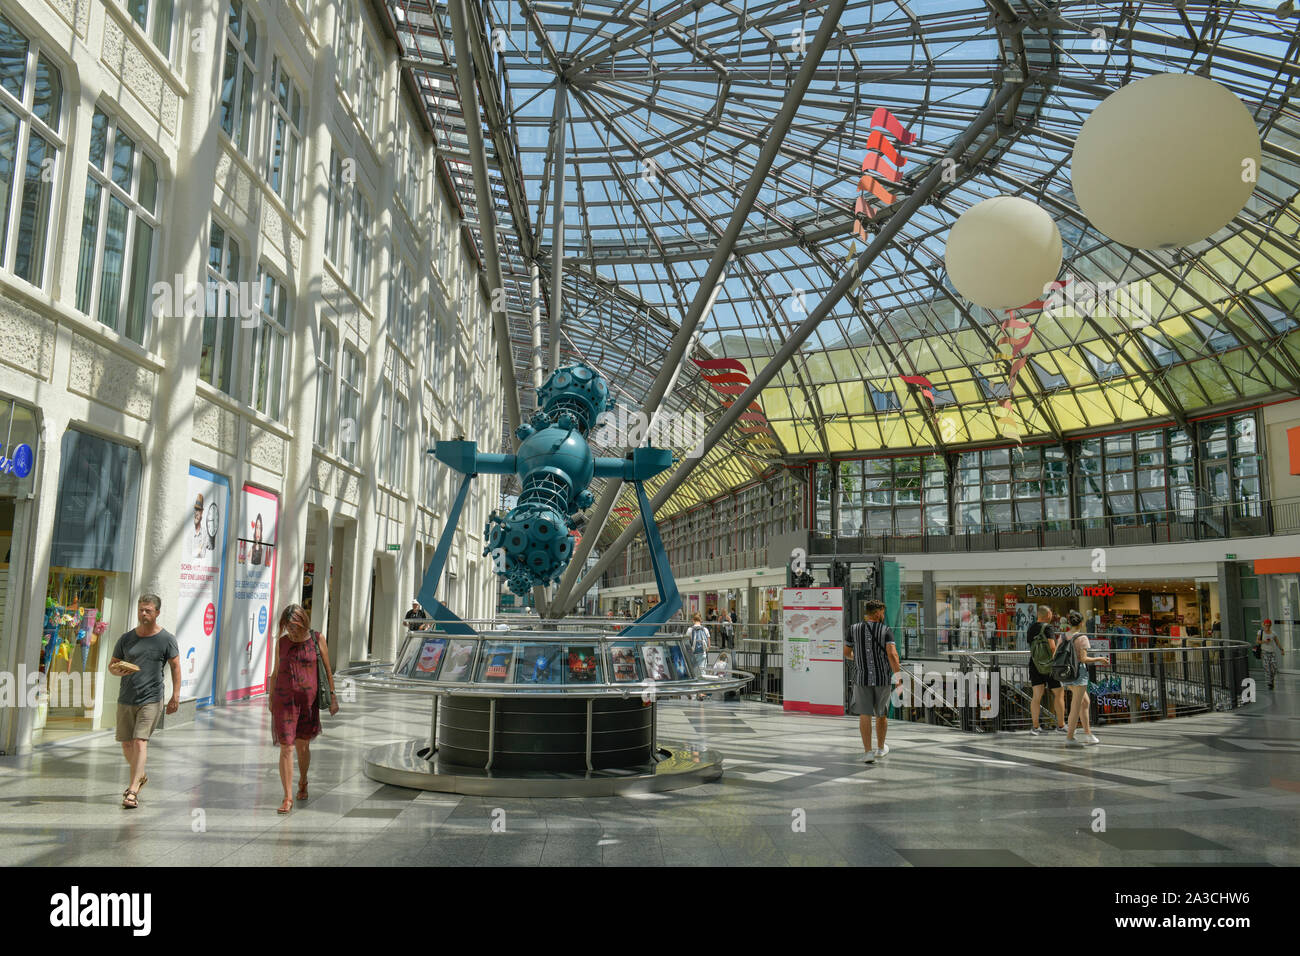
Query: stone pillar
point(178, 338)
point(930, 611)
point(304, 336)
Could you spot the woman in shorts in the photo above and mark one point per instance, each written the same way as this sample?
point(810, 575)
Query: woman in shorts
point(1079, 686)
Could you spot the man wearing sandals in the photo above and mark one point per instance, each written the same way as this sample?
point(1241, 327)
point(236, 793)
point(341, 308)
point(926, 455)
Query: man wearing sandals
point(139, 700)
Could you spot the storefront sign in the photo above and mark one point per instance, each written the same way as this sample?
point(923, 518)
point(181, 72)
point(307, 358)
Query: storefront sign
point(248, 654)
point(1069, 590)
point(812, 625)
point(202, 581)
point(18, 444)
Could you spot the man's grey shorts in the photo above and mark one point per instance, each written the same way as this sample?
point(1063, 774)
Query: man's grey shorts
point(872, 700)
point(138, 722)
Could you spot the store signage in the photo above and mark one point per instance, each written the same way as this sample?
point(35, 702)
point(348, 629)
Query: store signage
point(1230, 557)
point(812, 625)
point(20, 463)
point(1069, 590)
point(201, 577)
point(394, 547)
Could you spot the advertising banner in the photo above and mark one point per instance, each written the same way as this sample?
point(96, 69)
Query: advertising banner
point(202, 580)
point(812, 623)
point(248, 655)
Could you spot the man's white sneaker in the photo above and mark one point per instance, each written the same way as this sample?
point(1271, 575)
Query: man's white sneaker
point(1036, 731)
point(882, 751)
point(869, 757)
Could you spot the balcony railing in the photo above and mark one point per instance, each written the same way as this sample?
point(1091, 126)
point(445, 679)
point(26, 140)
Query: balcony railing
point(1211, 522)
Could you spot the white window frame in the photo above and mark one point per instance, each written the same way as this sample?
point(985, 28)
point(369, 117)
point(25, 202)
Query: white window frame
point(244, 89)
point(399, 305)
point(326, 360)
point(359, 250)
point(11, 204)
point(109, 189)
point(345, 50)
point(336, 212)
point(221, 311)
point(401, 411)
point(352, 373)
point(269, 334)
point(283, 110)
point(157, 27)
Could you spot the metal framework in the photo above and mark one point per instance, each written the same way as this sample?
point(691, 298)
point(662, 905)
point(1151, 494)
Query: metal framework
point(647, 120)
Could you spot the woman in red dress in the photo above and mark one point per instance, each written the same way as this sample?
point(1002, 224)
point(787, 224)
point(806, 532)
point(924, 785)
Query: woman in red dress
point(295, 712)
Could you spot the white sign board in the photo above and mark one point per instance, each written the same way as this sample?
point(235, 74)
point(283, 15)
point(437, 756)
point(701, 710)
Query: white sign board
point(812, 628)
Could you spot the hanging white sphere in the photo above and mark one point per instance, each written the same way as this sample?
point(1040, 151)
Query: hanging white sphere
point(1002, 252)
point(1166, 161)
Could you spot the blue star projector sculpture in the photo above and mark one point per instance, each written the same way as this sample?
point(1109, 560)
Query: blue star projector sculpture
point(532, 544)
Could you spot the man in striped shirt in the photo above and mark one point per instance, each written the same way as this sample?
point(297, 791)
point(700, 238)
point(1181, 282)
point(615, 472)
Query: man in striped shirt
point(871, 647)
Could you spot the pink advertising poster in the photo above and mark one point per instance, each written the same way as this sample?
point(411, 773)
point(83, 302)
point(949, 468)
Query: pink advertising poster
point(249, 651)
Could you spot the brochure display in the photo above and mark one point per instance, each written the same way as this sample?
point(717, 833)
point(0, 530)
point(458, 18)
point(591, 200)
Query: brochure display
point(812, 622)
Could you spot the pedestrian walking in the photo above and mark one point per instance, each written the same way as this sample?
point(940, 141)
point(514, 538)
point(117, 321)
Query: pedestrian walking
point(1042, 648)
point(1270, 651)
point(138, 658)
point(301, 656)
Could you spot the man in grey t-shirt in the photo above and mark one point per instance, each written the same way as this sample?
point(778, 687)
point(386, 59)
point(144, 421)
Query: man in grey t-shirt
point(138, 658)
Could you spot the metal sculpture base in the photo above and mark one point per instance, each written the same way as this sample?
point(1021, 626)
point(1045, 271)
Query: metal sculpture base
point(407, 764)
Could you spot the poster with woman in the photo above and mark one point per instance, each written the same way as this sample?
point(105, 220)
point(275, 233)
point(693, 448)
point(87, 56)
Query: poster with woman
point(248, 655)
point(202, 581)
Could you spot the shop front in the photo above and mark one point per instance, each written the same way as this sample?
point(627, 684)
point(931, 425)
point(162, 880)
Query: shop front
point(1280, 578)
point(88, 601)
point(1134, 613)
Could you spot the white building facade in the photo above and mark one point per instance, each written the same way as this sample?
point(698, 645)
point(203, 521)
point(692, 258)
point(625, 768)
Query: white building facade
point(237, 304)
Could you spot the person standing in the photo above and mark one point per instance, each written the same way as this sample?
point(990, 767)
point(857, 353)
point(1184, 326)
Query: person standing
point(698, 636)
point(728, 630)
point(295, 708)
point(414, 617)
point(1042, 638)
point(871, 647)
point(1079, 686)
point(138, 658)
point(1270, 650)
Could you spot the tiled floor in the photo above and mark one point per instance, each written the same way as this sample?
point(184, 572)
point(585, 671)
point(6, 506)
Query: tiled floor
point(1220, 789)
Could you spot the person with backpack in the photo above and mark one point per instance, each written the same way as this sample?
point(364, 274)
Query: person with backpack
point(871, 647)
point(1042, 647)
point(1068, 668)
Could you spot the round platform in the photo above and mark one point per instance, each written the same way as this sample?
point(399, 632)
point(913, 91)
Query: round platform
point(406, 764)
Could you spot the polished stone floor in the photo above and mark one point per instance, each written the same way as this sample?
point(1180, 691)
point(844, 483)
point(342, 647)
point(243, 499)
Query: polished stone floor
point(1214, 790)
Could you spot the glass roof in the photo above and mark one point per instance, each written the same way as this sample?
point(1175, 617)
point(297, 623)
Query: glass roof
point(665, 106)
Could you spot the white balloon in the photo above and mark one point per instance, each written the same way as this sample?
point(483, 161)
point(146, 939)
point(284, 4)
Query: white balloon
point(1166, 161)
point(1003, 252)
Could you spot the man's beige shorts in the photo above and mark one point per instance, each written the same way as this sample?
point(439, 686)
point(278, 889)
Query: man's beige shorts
point(138, 722)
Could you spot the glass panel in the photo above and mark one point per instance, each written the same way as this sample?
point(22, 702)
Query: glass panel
point(34, 217)
point(89, 234)
point(162, 26)
point(139, 10)
point(997, 474)
point(936, 519)
point(137, 302)
point(907, 521)
point(13, 59)
point(98, 140)
point(1027, 511)
point(1120, 504)
point(1028, 489)
point(110, 282)
point(245, 111)
point(997, 492)
point(997, 456)
point(1151, 479)
point(229, 73)
point(47, 98)
point(1248, 465)
point(1244, 431)
point(1118, 444)
point(123, 154)
point(997, 515)
point(1153, 501)
point(148, 184)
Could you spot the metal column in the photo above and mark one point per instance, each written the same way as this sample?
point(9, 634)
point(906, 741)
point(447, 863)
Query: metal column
point(705, 294)
point(486, 212)
point(557, 222)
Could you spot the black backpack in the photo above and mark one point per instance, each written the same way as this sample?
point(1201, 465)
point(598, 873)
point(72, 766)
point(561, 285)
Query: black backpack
point(1065, 662)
